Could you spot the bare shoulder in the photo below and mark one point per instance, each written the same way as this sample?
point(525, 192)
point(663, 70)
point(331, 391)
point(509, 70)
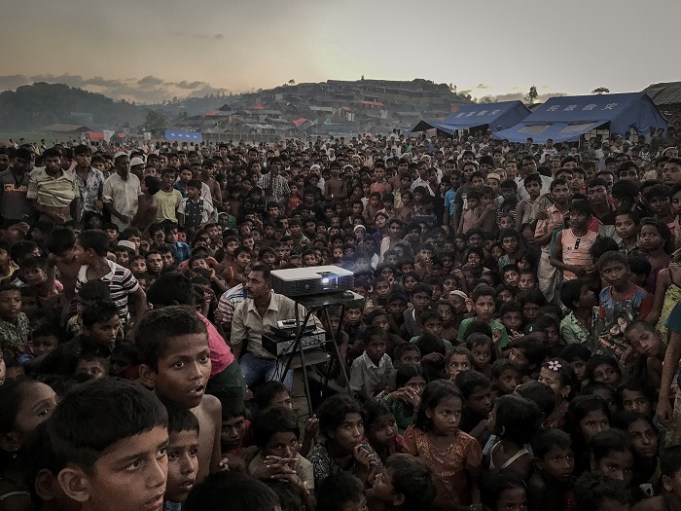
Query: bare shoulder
point(211, 405)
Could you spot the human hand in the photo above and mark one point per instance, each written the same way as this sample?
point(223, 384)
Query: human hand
point(311, 426)
point(434, 357)
point(363, 457)
point(542, 215)
point(664, 412)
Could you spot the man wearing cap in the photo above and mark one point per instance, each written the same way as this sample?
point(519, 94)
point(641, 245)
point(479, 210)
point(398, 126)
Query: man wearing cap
point(90, 181)
point(137, 167)
point(121, 192)
point(52, 191)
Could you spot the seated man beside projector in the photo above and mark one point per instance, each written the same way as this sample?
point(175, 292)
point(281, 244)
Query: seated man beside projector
point(260, 311)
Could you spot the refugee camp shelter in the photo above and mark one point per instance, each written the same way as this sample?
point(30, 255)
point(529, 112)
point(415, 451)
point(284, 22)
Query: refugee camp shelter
point(492, 116)
point(567, 118)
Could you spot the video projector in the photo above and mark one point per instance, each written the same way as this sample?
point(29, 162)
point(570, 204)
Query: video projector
point(314, 280)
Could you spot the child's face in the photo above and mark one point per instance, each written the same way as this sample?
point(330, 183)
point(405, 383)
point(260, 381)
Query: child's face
point(283, 444)
point(506, 222)
point(617, 465)
point(578, 219)
point(383, 430)
point(381, 321)
point(625, 227)
point(643, 438)
point(474, 260)
point(636, 401)
point(141, 484)
point(183, 464)
point(615, 274)
point(558, 463)
point(34, 276)
point(530, 311)
point(105, 333)
point(43, 345)
point(183, 370)
point(484, 307)
point(511, 278)
point(446, 416)
point(481, 355)
point(552, 380)
point(533, 189)
point(508, 380)
point(122, 257)
point(409, 357)
point(527, 281)
point(397, 307)
point(480, 401)
point(349, 434)
point(457, 364)
point(383, 488)
point(512, 498)
point(353, 316)
point(433, 326)
point(283, 399)
point(579, 367)
point(94, 368)
point(420, 300)
point(593, 423)
point(509, 244)
point(10, 304)
point(375, 349)
point(139, 266)
point(605, 373)
point(517, 356)
point(233, 430)
point(445, 311)
point(645, 343)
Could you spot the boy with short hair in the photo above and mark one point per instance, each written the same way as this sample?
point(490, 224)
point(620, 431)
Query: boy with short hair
point(571, 246)
point(550, 486)
point(194, 211)
point(620, 302)
point(183, 448)
point(483, 301)
point(112, 461)
point(404, 484)
point(421, 296)
point(369, 369)
point(92, 248)
point(175, 362)
point(527, 209)
point(14, 325)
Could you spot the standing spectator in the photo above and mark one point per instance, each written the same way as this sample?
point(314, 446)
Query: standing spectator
point(121, 192)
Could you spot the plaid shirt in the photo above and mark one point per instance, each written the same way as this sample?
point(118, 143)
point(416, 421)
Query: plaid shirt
point(276, 188)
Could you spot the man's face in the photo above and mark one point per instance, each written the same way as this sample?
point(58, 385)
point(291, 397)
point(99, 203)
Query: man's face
point(560, 193)
point(671, 173)
point(83, 160)
point(122, 164)
point(597, 194)
point(185, 176)
point(4, 162)
point(52, 164)
point(256, 286)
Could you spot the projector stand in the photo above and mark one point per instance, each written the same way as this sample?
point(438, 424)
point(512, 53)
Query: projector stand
point(313, 303)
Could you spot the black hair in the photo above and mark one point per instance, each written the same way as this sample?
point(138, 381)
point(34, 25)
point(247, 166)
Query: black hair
point(171, 288)
point(548, 438)
point(332, 412)
point(60, 240)
point(98, 312)
point(245, 493)
point(639, 265)
point(610, 257)
point(494, 482)
point(96, 415)
point(519, 418)
point(333, 494)
point(373, 410)
point(575, 351)
point(159, 326)
point(232, 404)
point(400, 349)
point(600, 359)
point(533, 349)
point(605, 442)
point(468, 381)
point(275, 420)
point(407, 372)
point(435, 392)
point(181, 419)
point(413, 479)
point(670, 461)
point(265, 393)
point(570, 291)
point(592, 490)
point(581, 206)
point(577, 410)
point(503, 364)
point(94, 239)
point(541, 394)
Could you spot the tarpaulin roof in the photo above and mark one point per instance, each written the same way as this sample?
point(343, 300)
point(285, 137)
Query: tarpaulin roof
point(496, 115)
point(178, 135)
point(566, 118)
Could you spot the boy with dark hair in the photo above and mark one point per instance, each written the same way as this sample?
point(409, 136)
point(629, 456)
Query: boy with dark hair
point(91, 249)
point(404, 484)
point(175, 362)
point(550, 486)
point(194, 211)
point(483, 301)
point(577, 296)
point(526, 212)
point(183, 448)
point(571, 246)
point(112, 461)
point(242, 491)
point(420, 298)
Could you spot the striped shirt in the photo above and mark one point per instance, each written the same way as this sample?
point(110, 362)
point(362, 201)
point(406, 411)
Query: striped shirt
point(121, 282)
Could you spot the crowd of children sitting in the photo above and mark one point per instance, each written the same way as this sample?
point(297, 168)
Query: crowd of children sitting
point(516, 347)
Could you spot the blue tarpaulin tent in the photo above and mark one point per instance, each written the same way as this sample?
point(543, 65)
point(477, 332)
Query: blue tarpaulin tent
point(497, 115)
point(566, 118)
point(183, 136)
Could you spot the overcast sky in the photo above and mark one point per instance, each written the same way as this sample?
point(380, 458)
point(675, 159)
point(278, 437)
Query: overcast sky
point(151, 49)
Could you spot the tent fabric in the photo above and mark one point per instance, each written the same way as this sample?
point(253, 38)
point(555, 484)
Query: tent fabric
point(566, 118)
point(497, 115)
point(186, 136)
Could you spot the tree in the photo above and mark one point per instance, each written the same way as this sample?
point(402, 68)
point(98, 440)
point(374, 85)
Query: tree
point(291, 82)
point(531, 96)
point(155, 121)
point(600, 90)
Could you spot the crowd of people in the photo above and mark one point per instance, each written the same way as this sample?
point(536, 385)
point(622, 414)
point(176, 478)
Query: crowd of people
point(516, 347)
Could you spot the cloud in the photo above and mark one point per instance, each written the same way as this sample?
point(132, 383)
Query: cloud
point(149, 89)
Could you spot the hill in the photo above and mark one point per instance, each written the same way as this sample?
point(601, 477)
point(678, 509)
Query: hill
point(42, 104)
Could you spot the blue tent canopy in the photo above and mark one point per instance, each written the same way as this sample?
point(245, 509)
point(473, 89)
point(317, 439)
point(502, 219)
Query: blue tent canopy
point(566, 118)
point(497, 115)
point(183, 136)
